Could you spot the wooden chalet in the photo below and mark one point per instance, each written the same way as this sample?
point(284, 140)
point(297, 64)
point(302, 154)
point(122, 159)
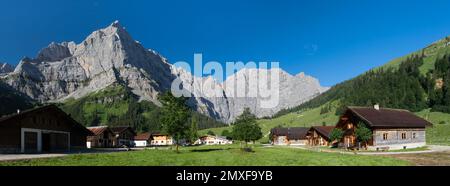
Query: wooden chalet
point(43, 129)
point(391, 128)
point(319, 135)
point(288, 136)
point(159, 139)
point(123, 136)
point(102, 137)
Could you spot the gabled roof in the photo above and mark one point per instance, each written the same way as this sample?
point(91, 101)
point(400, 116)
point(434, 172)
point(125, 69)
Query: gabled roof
point(143, 136)
point(291, 133)
point(388, 118)
point(324, 131)
point(216, 137)
point(98, 130)
point(120, 129)
point(43, 109)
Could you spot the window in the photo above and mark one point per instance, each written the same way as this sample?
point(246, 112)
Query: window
point(403, 135)
point(385, 136)
point(414, 135)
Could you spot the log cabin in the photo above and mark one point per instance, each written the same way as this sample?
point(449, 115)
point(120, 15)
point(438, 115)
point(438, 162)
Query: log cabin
point(288, 136)
point(391, 128)
point(41, 130)
point(102, 137)
point(319, 135)
point(123, 136)
point(143, 139)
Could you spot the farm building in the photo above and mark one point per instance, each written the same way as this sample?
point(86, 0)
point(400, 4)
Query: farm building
point(391, 128)
point(289, 136)
point(43, 129)
point(103, 137)
point(124, 136)
point(143, 139)
point(213, 140)
point(319, 135)
point(158, 139)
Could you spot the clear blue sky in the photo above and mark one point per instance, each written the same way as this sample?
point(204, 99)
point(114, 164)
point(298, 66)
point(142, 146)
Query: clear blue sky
point(332, 40)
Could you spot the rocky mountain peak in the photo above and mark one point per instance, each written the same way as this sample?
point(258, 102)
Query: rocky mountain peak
point(54, 52)
point(5, 68)
point(111, 56)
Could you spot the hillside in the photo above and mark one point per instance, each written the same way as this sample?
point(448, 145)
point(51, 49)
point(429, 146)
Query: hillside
point(419, 82)
point(69, 70)
point(116, 105)
point(12, 100)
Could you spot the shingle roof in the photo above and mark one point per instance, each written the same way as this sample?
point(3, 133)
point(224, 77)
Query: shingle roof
point(120, 129)
point(143, 136)
point(324, 131)
point(291, 133)
point(389, 118)
point(42, 109)
point(98, 130)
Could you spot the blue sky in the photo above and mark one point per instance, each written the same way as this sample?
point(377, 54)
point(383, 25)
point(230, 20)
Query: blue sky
point(332, 40)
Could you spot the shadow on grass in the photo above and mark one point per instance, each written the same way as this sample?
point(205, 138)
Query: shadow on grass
point(209, 150)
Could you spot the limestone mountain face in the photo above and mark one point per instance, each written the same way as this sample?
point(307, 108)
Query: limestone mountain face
point(5, 68)
point(110, 55)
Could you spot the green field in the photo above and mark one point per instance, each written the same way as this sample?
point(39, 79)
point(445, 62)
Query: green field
point(439, 134)
point(296, 119)
point(214, 156)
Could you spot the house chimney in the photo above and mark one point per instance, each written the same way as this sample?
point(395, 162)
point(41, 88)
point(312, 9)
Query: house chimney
point(376, 107)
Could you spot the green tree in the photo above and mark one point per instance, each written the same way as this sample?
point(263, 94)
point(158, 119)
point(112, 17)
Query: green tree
point(336, 135)
point(174, 117)
point(193, 132)
point(363, 134)
point(210, 132)
point(245, 128)
point(227, 134)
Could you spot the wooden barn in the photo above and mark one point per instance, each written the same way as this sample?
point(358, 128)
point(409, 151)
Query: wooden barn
point(319, 135)
point(288, 136)
point(102, 137)
point(44, 129)
point(391, 128)
point(123, 136)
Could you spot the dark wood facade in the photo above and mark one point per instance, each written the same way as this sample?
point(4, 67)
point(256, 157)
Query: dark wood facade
point(103, 137)
point(319, 135)
point(288, 136)
point(123, 136)
point(44, 129)
point(391, 128)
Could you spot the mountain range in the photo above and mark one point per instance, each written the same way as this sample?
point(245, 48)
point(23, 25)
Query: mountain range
point(64, 72)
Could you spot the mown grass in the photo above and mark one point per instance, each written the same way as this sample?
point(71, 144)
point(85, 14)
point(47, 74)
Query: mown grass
point(306, 118)
point(439, 134)
point(214, 156)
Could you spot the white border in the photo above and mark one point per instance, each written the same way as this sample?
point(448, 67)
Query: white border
point(39, 137)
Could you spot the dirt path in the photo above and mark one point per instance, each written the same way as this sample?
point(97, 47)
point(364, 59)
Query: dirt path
point(11, 157)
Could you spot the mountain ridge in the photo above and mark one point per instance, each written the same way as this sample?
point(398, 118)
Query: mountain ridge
point(110, 55)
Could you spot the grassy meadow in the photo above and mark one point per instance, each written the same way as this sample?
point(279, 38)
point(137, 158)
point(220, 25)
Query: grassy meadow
point(214, 156)
point(439, 134)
